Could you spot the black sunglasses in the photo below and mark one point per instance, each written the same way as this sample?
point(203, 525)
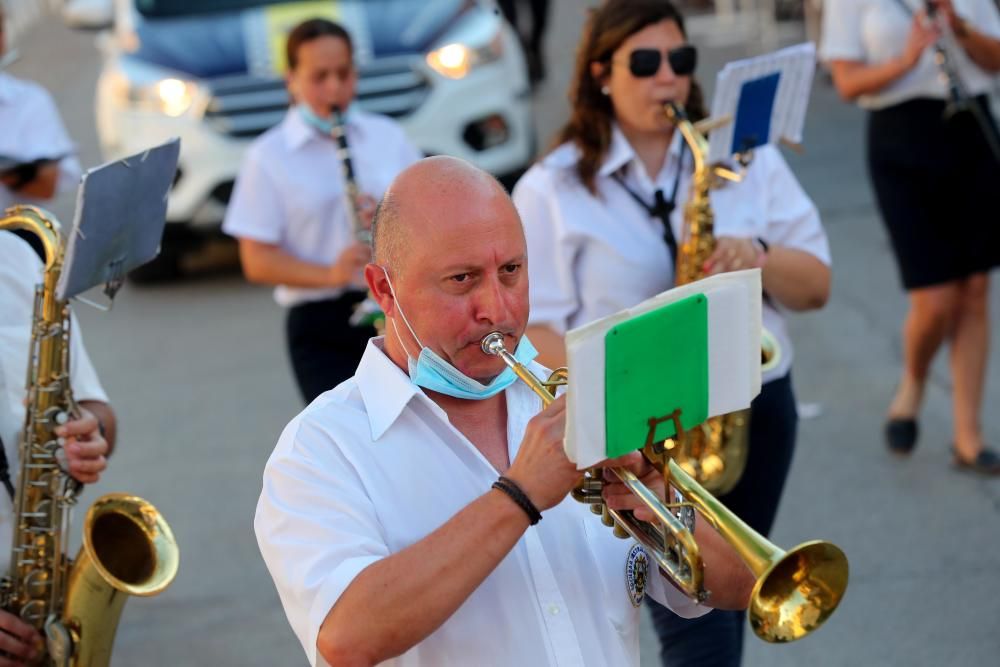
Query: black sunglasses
point(646, 62)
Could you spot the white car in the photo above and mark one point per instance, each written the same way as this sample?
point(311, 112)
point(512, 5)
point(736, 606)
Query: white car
point(452, 72)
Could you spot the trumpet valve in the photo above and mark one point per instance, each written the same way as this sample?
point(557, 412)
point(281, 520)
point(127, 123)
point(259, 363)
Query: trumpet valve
point(620, 532)
point(606, 517)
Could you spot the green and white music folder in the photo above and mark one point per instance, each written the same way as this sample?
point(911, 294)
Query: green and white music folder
point(694, 348)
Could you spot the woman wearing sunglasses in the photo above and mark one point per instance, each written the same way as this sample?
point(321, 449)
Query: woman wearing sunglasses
point(603, 214)
point(935, 180)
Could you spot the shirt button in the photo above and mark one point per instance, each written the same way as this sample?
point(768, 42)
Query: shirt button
point(554, 609)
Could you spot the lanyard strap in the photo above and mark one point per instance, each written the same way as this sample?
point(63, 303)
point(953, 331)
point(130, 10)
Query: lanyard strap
point(661, 207)
point(5, 471)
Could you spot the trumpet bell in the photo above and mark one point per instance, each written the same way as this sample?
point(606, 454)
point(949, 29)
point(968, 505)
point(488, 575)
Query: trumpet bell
point(798, 592)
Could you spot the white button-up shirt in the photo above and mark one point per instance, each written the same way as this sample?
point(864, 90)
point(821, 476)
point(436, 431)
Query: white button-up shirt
point(590, 256)
point(875, 31)
point(30, 129)
point(290, 191)
point(20, 271)
point(373, 466)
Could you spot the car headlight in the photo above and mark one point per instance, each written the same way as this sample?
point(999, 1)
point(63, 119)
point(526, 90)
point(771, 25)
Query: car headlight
point(168, 95)
point(174, 96)
point(456, 60)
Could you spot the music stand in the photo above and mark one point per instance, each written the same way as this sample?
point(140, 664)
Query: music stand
point(121, 211)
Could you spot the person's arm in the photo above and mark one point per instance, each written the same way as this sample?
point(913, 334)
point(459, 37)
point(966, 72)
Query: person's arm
point(981, 48)
point(257, 216)
point(550, 344)
point(854, 78)
point(790, 247)
point(373, 620)
point(398, 600)
point(38, 180)
point(268, 264)
point(797, 279)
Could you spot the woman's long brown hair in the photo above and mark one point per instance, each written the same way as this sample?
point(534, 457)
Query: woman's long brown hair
point(589, 125)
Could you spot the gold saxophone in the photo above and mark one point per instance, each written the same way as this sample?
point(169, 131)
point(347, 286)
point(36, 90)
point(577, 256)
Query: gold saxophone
point(715, 453)
point(128, 548)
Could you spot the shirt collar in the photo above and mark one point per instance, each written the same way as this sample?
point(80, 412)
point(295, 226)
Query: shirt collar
point(298, 132)
point(385, 389)
point(621, 153)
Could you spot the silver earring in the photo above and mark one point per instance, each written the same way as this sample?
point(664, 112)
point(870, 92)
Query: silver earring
point(605, 91)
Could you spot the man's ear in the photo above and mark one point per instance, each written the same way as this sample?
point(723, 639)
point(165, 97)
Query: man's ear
point(378, 285)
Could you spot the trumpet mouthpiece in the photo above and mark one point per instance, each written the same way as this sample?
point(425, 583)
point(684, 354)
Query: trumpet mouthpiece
point(493, 343)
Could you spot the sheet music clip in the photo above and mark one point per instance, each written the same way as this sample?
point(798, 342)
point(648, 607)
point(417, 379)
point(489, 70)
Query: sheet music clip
point(120, 215)
point(657, 447)
point(114, 283)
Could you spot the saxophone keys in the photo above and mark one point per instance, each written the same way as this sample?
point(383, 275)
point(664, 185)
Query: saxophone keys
point(33, 612)
point(36, 585)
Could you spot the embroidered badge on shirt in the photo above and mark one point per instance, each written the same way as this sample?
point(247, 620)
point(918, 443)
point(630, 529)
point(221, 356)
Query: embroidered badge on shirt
point(636, 565)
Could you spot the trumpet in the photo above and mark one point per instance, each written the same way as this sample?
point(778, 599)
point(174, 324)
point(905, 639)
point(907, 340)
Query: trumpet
point(795, 590)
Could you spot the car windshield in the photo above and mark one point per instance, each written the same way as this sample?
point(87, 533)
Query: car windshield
point(165, 8)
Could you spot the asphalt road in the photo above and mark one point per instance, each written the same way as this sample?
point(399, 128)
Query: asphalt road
point(197, 373)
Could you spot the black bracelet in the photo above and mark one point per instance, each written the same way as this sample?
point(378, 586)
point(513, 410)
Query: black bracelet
point(763, 244)
point(520, 497)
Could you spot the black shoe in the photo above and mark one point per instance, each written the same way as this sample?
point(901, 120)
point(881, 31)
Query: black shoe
point(901, 435)
point(987, 462)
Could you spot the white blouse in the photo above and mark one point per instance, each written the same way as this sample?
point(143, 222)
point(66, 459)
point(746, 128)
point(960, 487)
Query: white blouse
point(590, 256)
point(875, 31)
point(290, 190)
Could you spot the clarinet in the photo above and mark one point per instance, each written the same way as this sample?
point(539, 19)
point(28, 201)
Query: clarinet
point(367, 313)
point(958, 97)
point(339, 134)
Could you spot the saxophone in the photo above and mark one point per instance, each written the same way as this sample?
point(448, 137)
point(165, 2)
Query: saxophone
point(128, 548)
point(715, 453)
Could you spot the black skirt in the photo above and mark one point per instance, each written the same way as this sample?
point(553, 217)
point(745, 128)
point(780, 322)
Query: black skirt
point(938, 187)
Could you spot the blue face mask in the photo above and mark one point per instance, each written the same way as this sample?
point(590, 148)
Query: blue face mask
point(324, 125)
point(432, 372)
